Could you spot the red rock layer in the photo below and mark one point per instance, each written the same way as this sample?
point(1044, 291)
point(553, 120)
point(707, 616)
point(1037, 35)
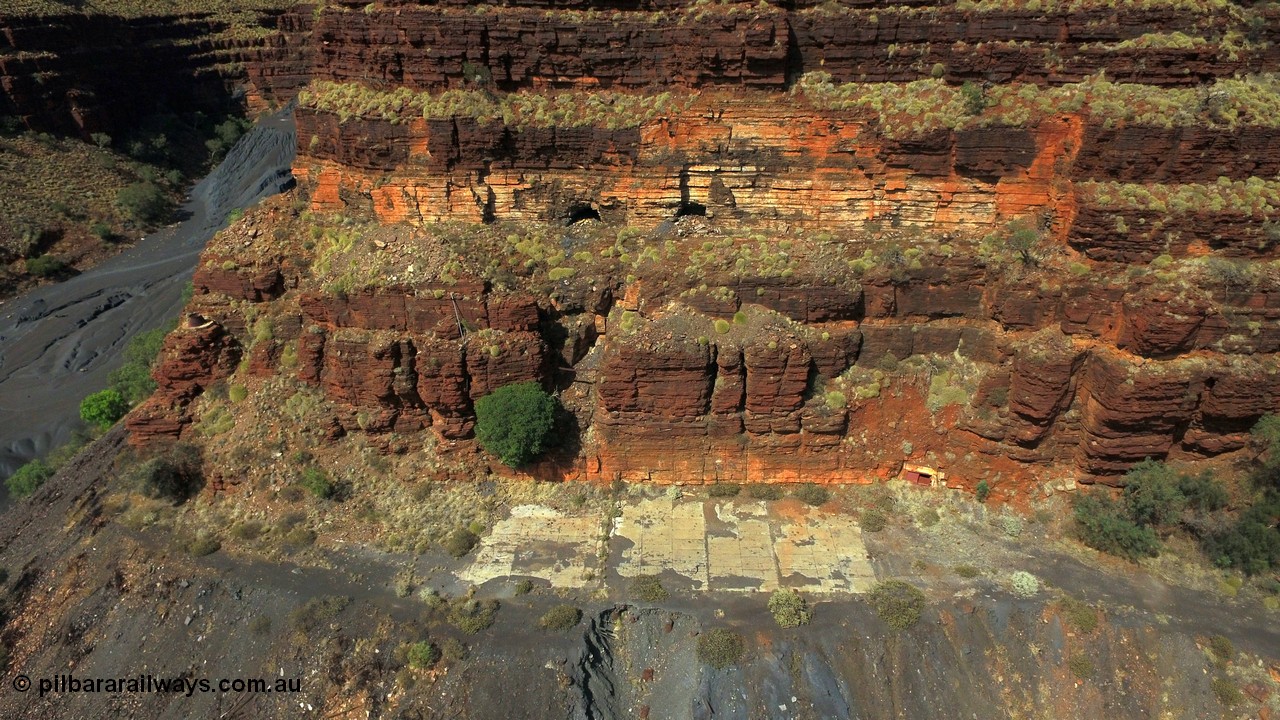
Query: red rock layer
point(426, 47)
point(1115, 373)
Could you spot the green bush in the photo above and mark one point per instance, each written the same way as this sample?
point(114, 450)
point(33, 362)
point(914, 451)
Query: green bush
point(1151, 494)
point(422, 655)
point(648, 588)
point(514, 422)
point(1079, 615)
point(1222, 648)
point(237, 393)
point(103, 408)
point(317, 483)
point(472, 616)
point(460, 542)
point(1024, 583)
point(724, 489)
point(45, 266)
point(982, 492)
point(764, 491)
point(28, 478)
point(1252, 544)
point(1081, 666)
point(560, 618)
point(1226, 692)
point(720, 648)
point(898, 603)
point(143, 202)
point(1103, 525)
point(873, 520)
point(812, 494)
point(205, 545)
point(133, 379)
point(789, 609)
point(1203, 494)
point(967, 571)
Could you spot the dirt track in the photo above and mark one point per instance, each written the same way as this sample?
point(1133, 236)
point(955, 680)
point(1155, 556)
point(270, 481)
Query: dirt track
point(60, 342)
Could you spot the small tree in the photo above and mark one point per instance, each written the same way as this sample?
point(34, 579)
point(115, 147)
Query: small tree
point(144, 202)
point(515, 421)
point(789, 608)
point(103, 408)
point(28, 478)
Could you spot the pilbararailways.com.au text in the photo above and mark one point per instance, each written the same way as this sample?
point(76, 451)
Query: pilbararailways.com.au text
point(188, 686)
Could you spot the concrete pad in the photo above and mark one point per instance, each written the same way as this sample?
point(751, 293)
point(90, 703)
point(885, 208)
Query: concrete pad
point(541, 542)
point(744, 546)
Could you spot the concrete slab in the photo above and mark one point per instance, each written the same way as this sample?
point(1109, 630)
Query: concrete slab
point(540, 542)
point(744, 546)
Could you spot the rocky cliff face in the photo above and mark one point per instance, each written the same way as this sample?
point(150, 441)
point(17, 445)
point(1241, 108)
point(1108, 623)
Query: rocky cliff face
point(88, 73)
point(782, 276)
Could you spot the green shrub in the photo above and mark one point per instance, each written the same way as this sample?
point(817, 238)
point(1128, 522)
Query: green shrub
point(205, 545)
point(133, 379)
point(524, 587)
point(724, 489)
point(1252, 544)
point(898, 603)
point(422, 655)
point(560, 618)
point(764, 491)
point(722, 327)
point(237, 393)
point(45, 266)
point(1103, 525)
point(1024, 583)
point(453, 650)
point(967, 571)
point(1151, 494)
point(309, 616)
point(789, 609)
point(873, 520)
point(1203, 494)
point(133, 382)
point(648, 588)
point(720, 648)
point(812, 494)
point(472, 616)
point(514, 422)
point(28, 478)
point(143, 202)
point(1226, 692)
point(928, 517)
point(1222, 648)
point(1079, 615)
point(1081, 666)
point(317, 482)
point(974, 97)
point(103, 408)
point(460, 542)
point(982, 491)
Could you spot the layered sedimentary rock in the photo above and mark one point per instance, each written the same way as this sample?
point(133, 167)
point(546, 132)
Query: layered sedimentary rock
point(781, 277)
point(97, 73)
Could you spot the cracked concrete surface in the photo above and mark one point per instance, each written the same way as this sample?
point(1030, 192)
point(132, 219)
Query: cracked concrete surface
point(744, 546)
point(719, 545)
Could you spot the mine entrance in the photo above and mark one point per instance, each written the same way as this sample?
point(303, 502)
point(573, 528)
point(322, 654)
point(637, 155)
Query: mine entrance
point(580, 212)
point(691, 208)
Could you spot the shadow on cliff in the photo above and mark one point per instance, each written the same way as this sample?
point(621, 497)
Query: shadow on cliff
point(563, 459)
